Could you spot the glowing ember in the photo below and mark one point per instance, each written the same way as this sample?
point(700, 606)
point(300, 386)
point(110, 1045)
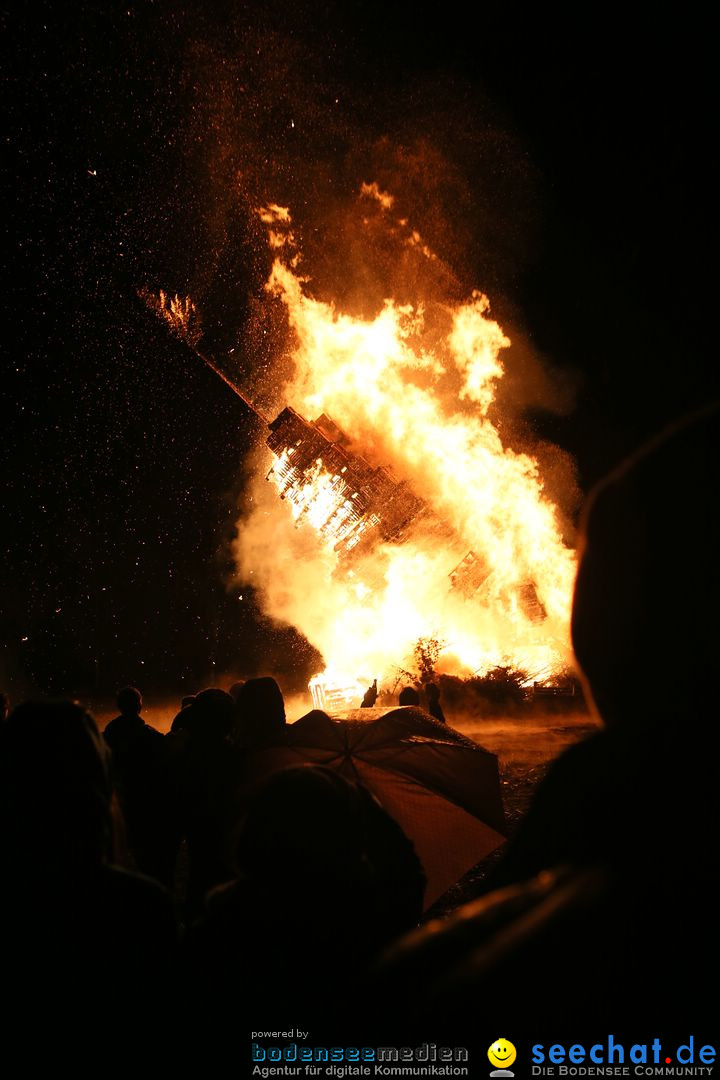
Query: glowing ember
point(179, 314)
point(458, 542)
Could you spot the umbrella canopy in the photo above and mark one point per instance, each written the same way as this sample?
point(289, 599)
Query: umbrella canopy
point(441, 788)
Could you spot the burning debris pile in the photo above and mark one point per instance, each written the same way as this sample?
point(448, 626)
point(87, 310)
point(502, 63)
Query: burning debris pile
point(402, 515)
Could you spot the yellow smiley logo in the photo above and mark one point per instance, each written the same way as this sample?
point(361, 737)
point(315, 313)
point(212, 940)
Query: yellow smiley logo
point(502, 1053)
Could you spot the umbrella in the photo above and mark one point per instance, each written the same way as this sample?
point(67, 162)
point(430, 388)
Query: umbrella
point(441, 788)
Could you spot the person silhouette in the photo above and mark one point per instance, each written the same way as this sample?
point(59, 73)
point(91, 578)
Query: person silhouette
point(261, 712)
point(648, 571)
point(73, 926)
point(432, 693)
point(205, 772)
point(326, 878)
point(408, 696)
point(140, 771)
point(370, 696)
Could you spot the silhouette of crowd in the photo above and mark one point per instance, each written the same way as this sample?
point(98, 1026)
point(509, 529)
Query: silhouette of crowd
point(163, 862)
point(162, 866)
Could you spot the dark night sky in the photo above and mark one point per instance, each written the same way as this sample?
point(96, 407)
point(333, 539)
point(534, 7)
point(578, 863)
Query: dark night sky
point(587, 150)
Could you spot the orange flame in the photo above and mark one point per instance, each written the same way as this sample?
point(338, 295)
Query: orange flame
point(486, 570)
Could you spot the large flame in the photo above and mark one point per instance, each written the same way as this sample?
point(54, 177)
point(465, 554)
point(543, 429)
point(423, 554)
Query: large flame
point(483, 569)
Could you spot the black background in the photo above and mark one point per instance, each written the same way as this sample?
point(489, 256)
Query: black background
point(583, 149)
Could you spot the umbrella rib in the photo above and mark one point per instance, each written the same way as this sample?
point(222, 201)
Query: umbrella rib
point(349, 756)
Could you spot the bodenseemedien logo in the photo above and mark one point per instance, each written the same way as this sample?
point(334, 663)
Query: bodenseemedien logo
point(501, 1054)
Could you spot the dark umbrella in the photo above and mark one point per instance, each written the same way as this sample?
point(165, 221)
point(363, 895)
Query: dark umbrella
point(441, 788)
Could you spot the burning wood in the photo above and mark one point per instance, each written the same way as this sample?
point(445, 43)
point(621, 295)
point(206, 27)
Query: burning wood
point(350, 504)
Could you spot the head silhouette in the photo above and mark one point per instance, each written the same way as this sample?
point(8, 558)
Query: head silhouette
point(306, 821)
point(644, 625)
point(210, 717)
point(55, 801)
point(261, 709)
point(409, 696)
point(129, 701)
point(235, 689)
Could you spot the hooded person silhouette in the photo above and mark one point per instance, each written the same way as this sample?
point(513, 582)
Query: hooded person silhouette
point(72, 924)
point(606, 894)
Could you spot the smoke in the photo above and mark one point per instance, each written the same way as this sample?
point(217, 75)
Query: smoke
point(266, 109)
point(264, 112)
